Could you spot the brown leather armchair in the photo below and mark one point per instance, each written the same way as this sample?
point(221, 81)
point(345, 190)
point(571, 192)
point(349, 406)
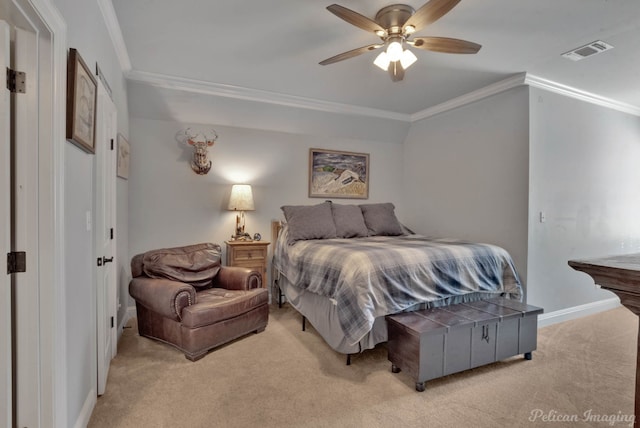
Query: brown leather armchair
point(184, 297)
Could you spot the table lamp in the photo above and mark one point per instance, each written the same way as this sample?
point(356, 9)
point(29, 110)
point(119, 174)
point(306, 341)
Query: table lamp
point(241, 200)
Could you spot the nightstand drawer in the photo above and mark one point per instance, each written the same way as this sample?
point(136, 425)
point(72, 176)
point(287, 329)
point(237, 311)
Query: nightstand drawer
point(253, 266)
point(244, 254)
point(249, 254)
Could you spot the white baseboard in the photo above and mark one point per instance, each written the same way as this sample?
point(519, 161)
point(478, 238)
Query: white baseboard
point(577, 312)
point(87, 409)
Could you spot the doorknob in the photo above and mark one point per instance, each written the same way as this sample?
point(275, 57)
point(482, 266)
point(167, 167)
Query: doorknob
point(104, 260)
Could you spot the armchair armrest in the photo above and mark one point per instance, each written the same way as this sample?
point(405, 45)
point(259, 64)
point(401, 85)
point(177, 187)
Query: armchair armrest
point(163, 296)
point(237, 278)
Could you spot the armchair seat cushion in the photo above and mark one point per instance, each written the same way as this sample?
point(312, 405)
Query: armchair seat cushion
point(218, 304)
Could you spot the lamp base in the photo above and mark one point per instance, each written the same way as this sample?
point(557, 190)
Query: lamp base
point(241, 237)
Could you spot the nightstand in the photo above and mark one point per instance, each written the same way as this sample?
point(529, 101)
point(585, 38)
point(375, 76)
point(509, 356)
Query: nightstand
point(249, 254)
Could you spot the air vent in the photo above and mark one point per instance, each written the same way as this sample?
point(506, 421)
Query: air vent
point(587, 50)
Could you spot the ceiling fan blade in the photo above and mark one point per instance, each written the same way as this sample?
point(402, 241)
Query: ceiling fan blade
point(430, 12)
point(354, 18)
point(445, 44)
point(396, 71)
point(349, 54)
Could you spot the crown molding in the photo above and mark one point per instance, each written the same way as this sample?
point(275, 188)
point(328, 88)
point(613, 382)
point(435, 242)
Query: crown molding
point(487, 91)
point(529, 80)
point(115, 32)
point(568, 91)
point(257, 95)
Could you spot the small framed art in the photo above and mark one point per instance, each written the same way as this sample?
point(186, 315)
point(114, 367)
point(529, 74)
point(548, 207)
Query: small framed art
point(82, 89)
point(124, 152)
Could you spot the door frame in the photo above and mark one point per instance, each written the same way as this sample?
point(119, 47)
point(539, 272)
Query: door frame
point(53, 329)
point(6, 375)
point(51, 326)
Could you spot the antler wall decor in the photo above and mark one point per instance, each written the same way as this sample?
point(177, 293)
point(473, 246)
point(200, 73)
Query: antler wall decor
point(200, 142)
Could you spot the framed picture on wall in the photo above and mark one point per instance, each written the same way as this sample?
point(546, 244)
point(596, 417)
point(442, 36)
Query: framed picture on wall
point(338, 174)
point(82, 90)
point(124, 151)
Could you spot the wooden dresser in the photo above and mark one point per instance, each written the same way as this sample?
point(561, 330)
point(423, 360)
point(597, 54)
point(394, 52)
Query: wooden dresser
point(621, 275)
point(249, 254)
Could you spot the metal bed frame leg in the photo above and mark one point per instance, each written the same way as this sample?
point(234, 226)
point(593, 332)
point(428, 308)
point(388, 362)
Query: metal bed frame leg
point(304, 328)
point(349, 355)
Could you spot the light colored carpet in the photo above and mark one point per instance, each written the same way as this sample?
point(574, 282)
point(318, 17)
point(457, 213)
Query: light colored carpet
point(284, 377)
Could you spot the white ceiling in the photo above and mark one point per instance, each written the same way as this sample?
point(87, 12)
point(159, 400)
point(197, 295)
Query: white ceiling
point(273, 47)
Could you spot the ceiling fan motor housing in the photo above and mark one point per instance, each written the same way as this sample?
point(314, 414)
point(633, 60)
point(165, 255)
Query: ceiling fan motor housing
point(393, 17)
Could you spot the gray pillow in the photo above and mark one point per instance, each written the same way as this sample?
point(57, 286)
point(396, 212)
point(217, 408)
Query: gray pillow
point(381, 219)
point(349, 221)
point(309, 222)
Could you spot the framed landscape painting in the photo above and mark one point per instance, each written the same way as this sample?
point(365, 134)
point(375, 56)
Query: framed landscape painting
point(338, 174)
point(81, 103)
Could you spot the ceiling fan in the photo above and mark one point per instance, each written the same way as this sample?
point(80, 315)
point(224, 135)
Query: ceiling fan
point(395, 26)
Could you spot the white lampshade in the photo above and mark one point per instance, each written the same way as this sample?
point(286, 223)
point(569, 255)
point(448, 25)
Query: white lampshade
point(241, 198)
point(394, 51)
point(407, 59)
point(382, 61)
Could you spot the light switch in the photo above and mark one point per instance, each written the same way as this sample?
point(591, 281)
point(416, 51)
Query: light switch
point(543, 217)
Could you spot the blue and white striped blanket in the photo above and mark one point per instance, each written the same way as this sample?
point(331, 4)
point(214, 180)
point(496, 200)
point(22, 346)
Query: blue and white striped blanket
point(375, 276)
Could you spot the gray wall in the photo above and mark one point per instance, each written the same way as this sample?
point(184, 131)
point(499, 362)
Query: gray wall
point(86, 32)
point(585, 177)
point(485, 171)
point(466, 173)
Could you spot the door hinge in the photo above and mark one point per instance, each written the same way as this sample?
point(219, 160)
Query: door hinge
point(111, 233)
point(16, 262)
point(111, 322)
point(16, 81)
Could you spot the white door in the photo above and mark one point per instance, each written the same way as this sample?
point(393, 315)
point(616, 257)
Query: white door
point(5, 235)
point(106, 286)
point(19, 368)
point(25, 234)
point(26, 210)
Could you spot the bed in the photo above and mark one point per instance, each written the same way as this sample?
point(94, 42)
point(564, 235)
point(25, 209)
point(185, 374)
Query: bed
point(345, 283)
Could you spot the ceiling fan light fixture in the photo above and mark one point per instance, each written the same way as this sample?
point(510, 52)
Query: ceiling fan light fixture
point(382, 61)
point(394, 50)
point(395, 25)
point(407, 59)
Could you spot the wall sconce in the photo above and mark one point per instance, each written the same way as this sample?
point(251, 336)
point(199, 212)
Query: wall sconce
point(200, 142)
point(241, 200)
